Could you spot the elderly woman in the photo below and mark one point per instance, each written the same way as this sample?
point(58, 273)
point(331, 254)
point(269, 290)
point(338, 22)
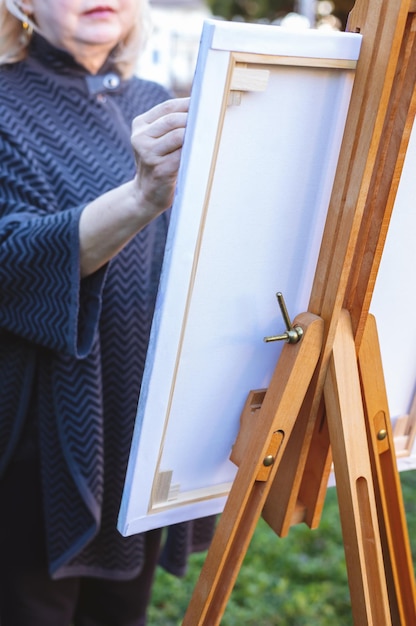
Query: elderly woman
point(89, 158)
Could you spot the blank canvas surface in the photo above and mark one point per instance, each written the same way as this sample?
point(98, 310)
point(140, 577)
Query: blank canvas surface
point(255, 181)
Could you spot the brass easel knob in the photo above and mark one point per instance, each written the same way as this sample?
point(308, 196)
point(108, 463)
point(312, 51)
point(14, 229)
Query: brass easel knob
point(382, 434)
point(293, 334)
point(268, 460)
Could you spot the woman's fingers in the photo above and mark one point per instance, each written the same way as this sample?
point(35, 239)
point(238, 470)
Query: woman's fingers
point(176, 105)
point(160, 131)
point(157, 138)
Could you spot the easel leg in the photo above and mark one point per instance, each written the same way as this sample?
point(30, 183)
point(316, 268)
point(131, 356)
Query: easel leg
point(243, 508)
point(391, 513)
point(287, 502)
point(354, 480)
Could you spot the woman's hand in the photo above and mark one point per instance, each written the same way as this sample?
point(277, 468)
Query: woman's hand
point(110, 221)
point(157, 139)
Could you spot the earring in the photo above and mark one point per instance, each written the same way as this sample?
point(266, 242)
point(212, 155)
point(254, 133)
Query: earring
point(27, 28)
point(27, 31)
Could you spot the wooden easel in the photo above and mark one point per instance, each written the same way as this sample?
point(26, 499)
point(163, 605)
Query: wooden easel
point(327, 400)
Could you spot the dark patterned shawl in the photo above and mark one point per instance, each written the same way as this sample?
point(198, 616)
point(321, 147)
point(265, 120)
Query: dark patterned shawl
point(79, 344)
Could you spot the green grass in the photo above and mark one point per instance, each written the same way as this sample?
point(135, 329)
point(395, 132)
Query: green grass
point(298, 580)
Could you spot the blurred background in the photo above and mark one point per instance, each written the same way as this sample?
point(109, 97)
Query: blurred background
point(170, 56)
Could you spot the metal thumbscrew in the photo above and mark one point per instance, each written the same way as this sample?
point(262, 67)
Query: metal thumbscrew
point(293, 334)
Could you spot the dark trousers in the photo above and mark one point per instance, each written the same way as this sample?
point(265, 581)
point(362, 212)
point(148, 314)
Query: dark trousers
point(28, 597)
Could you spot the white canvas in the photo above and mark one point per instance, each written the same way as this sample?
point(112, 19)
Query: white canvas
point(268, 110)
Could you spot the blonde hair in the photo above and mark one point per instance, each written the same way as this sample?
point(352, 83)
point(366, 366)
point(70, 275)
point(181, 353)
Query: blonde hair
point(16, 28)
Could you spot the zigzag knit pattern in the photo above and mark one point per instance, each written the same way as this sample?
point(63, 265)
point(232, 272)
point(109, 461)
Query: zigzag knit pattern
point(82, 342)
